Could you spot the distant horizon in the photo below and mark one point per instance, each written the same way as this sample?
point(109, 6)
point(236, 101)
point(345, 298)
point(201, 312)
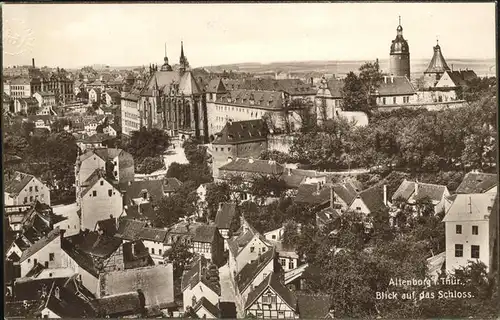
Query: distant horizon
point(137, 34)
point(246, 63)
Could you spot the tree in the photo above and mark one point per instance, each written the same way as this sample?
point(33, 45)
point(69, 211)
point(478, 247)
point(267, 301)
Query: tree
point(217, 193)
point(149, 165)
point(194, 153)
point(148, 143)
point(180, 256)
point(59, 124)
point(275, 155)
point(354, 94)
point(370, 75)
point(263, 187)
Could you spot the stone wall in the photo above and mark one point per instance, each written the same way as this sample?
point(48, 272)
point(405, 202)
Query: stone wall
point(431, 106)
point(280, 142)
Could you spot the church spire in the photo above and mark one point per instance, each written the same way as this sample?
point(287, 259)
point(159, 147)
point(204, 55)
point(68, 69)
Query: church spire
point(438, 63)
point(184, 64)
point(166, 66)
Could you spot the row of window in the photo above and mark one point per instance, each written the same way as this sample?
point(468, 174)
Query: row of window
point(394, 100)
point(153, 251)
point(291, 265)
point(131, 124)
point(238, 109)
point(94, 193)
point(51, 258)
point(131, 115)
point(31, 188)
point(42, 196)
point(458, 229)
point(474, 251)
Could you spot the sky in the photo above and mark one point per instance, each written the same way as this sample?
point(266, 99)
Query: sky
point(75, 35)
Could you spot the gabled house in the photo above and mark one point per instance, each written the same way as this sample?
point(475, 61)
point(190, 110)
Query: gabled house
point(245, 247)
point(412, 192)
point(116, 161)
point(113, 130)
point(154, 241)
point(47, 251)
point(224, 219)
point(22, 188)
point(253, 273)
point(470, 225)
point(112, 97)
point(95, 95)
point(99, 199)
point(60, 302)
point(94, 141)
point(478, 182)
point(204, 309)
point(200, 281)
point(208, 242)
point(370, 200)
point(156, 284)
point(271, 300)
point(45, 98)
point(23, 104)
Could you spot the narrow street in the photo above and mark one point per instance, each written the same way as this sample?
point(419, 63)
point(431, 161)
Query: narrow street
point(229, 303)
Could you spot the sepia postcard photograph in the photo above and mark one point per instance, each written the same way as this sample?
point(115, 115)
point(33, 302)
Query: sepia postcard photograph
point(250, 160)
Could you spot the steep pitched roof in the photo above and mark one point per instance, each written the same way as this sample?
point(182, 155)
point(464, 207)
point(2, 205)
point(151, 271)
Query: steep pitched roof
point(108, 226)
point(67, 304)
point(251, 270)
point(240, 241)
point(205, 234)
point(136, 255)
point(96, 176)
point(373, 198)
point(253, 166)
point(313, 306)
point(437, 64)
point(153, 187)
point(37, 246)
point(291, 86)
point(272, 281)
point(83, 259)
point(152, 234)
point(225, 215)
point(129, 229)
point(477, 182)
point(203, 302)
point(156, 282)
point(471, 207)
point(236, 132)
point(99, 245)
point(17, 182)
point(395, 85)
point(171, 184)
point(216, 86)
point(199, 272)
point(267, 100)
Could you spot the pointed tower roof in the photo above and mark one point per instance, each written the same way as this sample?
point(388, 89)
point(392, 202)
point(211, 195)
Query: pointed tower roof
point(184, 64)
point(437, 64)
point(166, 66)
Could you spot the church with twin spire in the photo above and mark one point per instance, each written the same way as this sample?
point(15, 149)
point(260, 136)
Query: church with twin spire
point(172, 100)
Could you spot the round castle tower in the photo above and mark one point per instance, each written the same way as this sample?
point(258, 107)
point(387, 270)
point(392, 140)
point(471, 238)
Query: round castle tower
point(399, 61)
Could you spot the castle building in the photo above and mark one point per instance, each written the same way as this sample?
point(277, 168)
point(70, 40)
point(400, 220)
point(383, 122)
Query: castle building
point(399, 61)
point(172, 100)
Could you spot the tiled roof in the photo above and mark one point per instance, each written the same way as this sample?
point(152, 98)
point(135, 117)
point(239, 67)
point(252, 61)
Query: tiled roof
point(253, 166)
point(152, 234)
point(16, 183)
point(96, 244)
point(67, 304)
point(135, 189)
point(308, 193)
point(235, 132)
point(205, 234)
point(203, 302)
point(251, 270)
point(118, 304)
point(292, 180)
point(268, 100)
point(395, 85)
point(313, 306)
point(291, 86)
point(272, 281)
point(373, 198)
point(432, 191)
point(471, 207)
point(156, 282)
point(129, 229)
point(84, 260)
point(96, 176)
point(334, 87)
point(476, 182)
point(54, 234)
point(225, 215)
point(216, 86)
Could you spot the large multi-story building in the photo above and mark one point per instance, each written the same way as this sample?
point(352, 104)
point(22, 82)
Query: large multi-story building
point(173, 100)
point(131, 116)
